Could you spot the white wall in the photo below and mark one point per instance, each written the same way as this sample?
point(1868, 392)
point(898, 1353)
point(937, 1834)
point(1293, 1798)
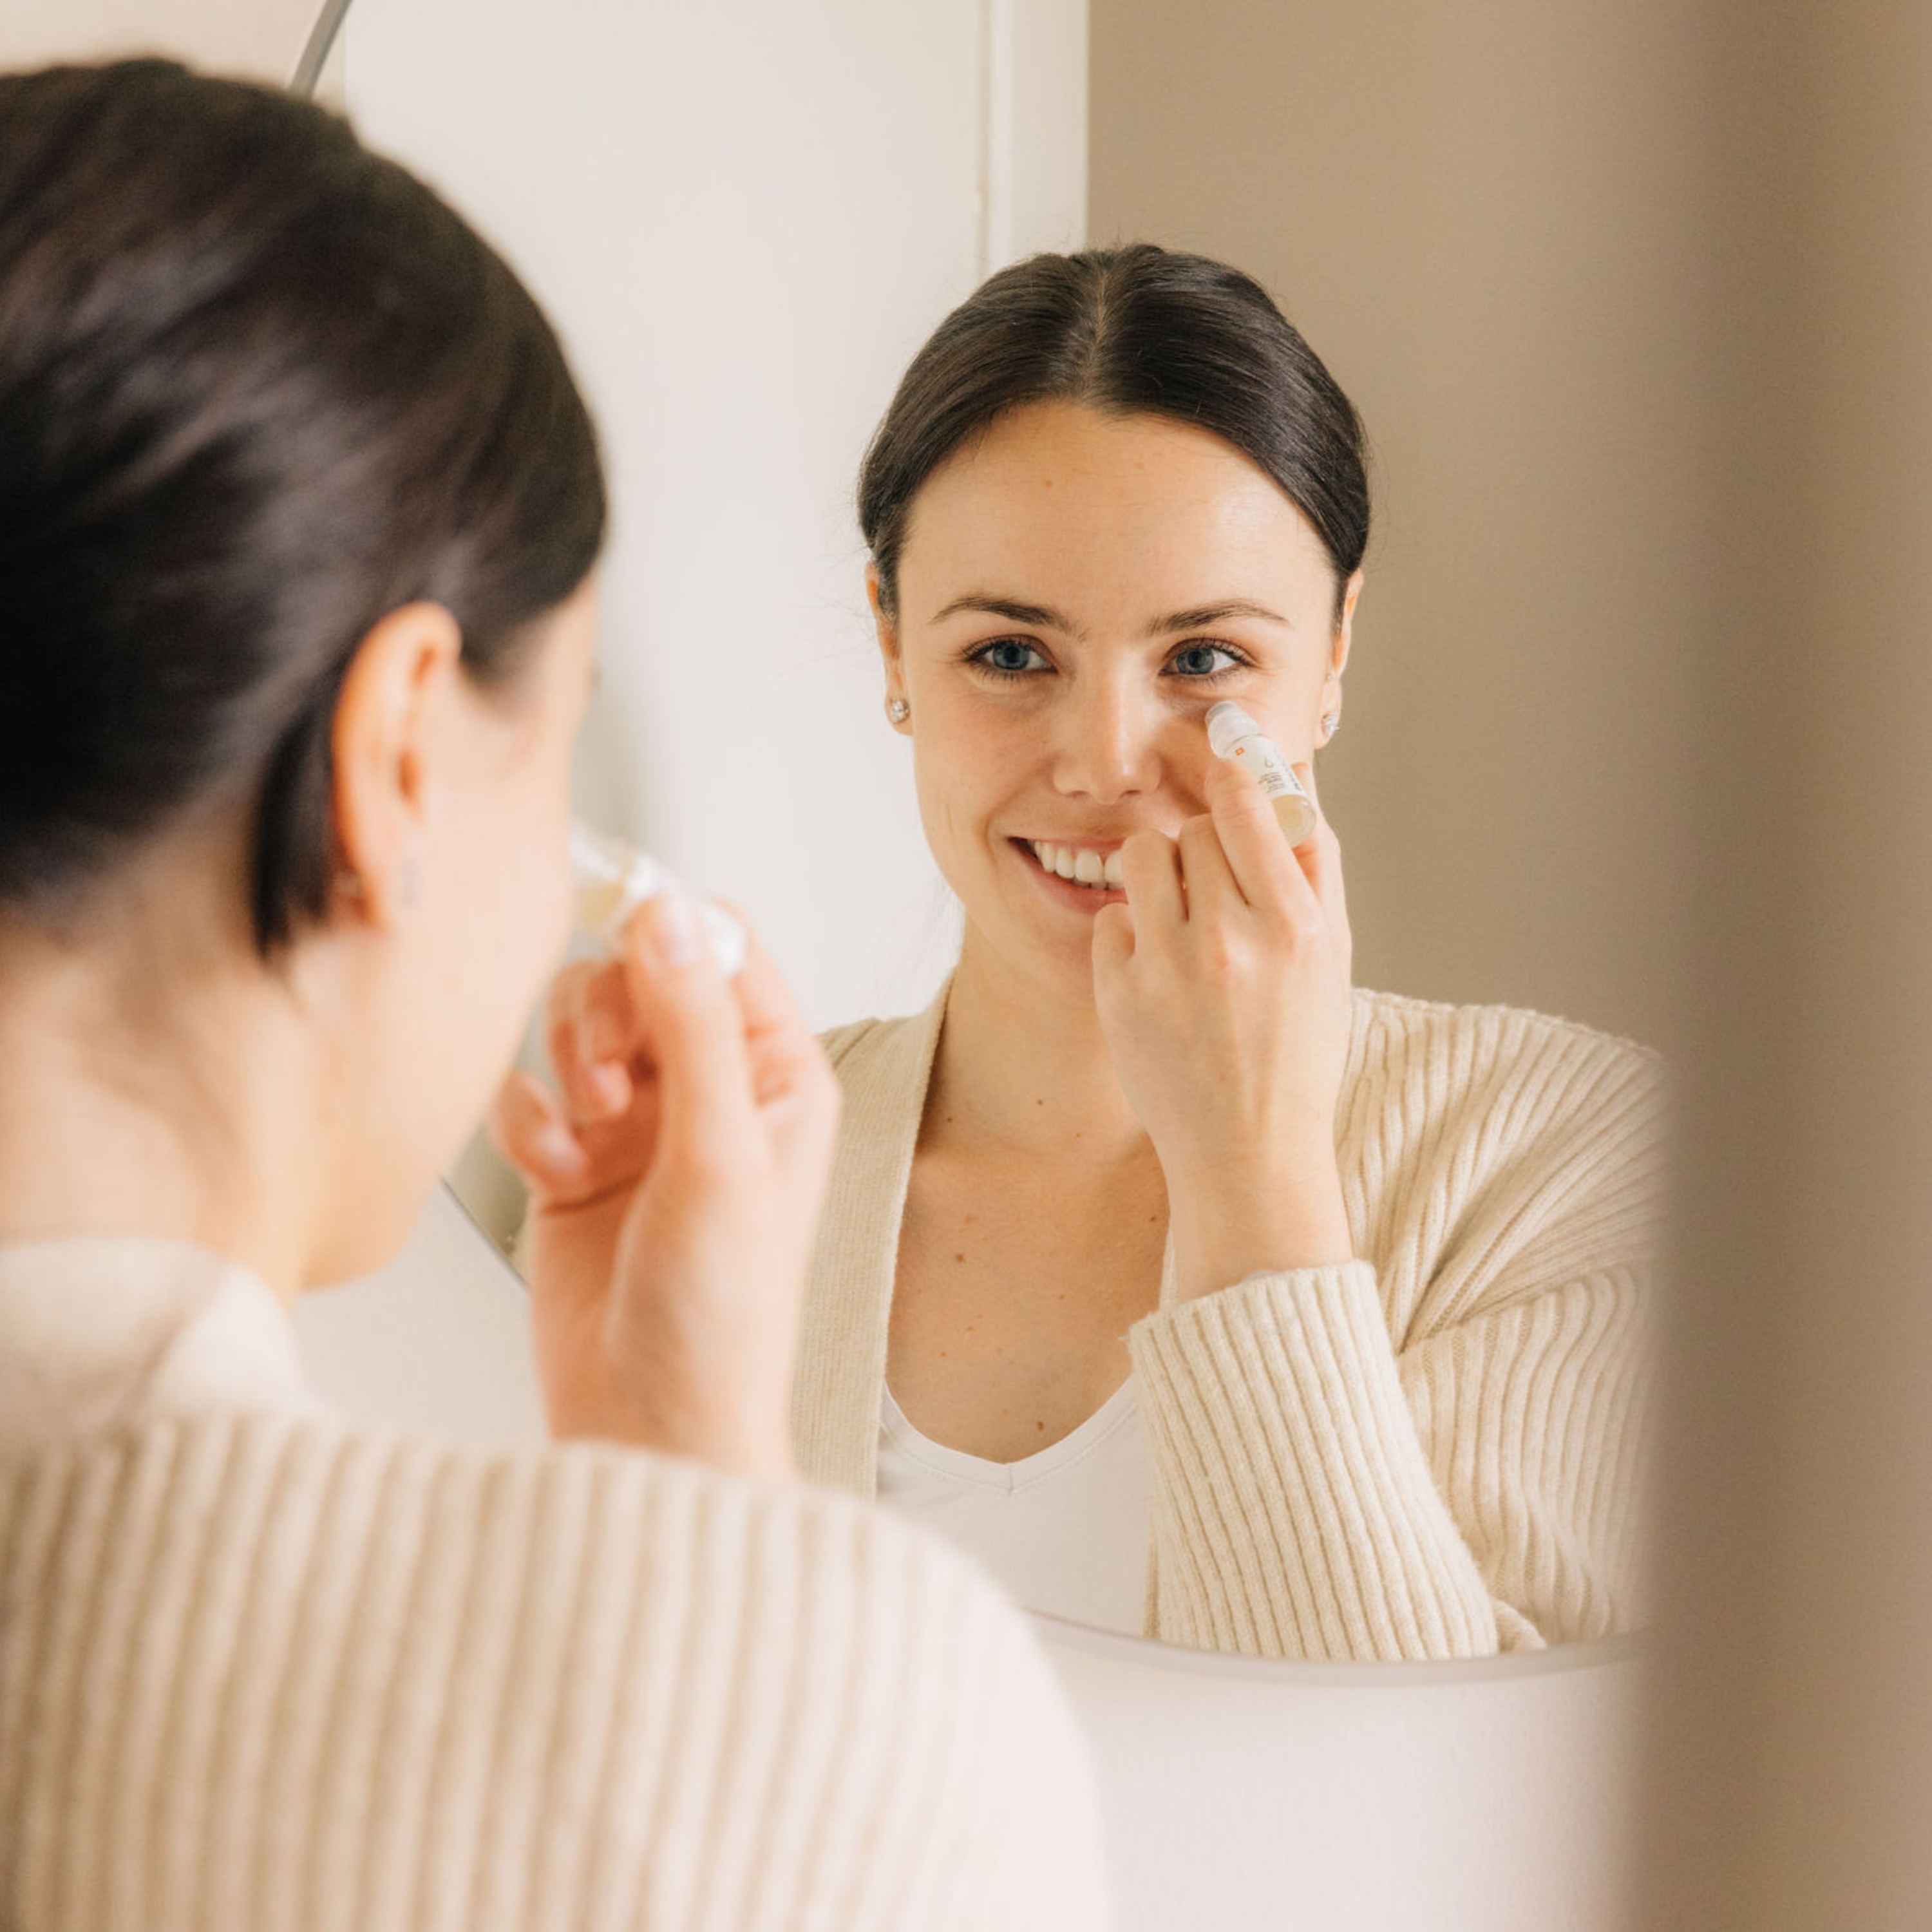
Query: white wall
point(260, 38)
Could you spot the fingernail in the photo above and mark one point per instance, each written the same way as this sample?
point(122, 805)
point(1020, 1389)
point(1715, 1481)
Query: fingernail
point(672, 938)
point(560, 1152)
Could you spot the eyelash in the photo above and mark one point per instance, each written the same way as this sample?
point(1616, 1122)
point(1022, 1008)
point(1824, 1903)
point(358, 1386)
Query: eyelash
point(977, 658)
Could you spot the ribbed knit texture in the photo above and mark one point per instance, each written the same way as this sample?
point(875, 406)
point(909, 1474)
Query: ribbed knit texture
point(1434, 1450)
point(260, 1669)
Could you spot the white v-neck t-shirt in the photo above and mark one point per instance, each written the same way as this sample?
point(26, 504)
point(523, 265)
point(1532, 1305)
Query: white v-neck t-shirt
point(1065, 1530)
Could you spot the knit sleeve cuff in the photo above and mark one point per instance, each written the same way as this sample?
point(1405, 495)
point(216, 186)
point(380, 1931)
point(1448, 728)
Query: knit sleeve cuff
point(1293, 1511)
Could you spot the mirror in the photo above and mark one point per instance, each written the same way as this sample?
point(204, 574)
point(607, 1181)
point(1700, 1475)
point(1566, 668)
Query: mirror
point(745, 237)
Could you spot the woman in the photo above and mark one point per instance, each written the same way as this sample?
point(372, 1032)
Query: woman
point(1151, 1238)
point(298, 507)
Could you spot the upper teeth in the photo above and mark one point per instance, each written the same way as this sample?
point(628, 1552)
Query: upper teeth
point(1084, 866)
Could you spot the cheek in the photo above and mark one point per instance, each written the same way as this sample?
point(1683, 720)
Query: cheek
point(518, 890)
point(966, 760)
point(544, 867)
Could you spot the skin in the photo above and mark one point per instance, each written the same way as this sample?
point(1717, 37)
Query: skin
point(156, 1078)
point(1182, 1045)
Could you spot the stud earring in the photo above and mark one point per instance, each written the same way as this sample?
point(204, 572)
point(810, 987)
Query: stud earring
point(898, 710)
point(1331, 725)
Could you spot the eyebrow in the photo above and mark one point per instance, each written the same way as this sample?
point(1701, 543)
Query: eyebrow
point(1041, 617)
point(1216, 613)
point(1015, 612)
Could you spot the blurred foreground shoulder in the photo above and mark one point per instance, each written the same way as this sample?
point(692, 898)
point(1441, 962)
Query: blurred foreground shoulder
point(449, 1686)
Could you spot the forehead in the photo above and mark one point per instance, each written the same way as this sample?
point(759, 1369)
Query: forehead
point(1111, 513)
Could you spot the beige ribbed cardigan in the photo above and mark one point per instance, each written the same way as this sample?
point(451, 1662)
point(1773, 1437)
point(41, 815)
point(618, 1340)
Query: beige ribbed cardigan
point(264, 1671)
point(1434, 1450)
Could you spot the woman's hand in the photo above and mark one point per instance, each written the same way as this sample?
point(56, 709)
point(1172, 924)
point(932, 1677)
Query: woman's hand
point(675, 1185)
point(1222, 986)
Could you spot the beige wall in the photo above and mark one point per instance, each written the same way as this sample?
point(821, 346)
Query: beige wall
point(1797, 1743)
point(1475, 214)
point(1636, 299)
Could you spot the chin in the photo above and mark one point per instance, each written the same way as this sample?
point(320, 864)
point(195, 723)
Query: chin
point(1065, 970)
point(373, 1236)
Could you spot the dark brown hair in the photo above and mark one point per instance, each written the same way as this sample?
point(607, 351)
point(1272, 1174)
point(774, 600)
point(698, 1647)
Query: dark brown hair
point(258, 387)
point(1136, 330)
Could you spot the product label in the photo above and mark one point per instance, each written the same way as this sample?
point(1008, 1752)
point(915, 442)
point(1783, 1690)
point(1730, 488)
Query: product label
point(1267, 763)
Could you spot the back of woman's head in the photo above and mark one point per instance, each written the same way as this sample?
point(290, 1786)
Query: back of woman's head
point(1135, 330)
point(258, 388)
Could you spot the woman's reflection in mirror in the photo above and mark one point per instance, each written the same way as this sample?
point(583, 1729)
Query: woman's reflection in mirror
point(1197, 1290)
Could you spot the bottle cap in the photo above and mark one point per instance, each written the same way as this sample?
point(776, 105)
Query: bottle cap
point(1227, 724)
point(612, 880)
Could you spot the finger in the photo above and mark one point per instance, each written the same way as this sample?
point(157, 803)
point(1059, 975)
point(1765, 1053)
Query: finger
point(1305, 771)
point(606, 1045)
point(563, 1037)
point(607, 1029)
point(696, 1032)
point(1258, 856)
point(1113, 939)
point(529, 1131)
point(1150, 872)
point(765, 1001)
point(784, 1053)
point(1320, 857)
point(1212, 891)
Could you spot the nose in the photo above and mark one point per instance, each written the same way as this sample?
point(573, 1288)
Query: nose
point(1106, 741)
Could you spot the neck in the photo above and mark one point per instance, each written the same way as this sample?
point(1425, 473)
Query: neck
point(150, 1088)
point(1024, 1067)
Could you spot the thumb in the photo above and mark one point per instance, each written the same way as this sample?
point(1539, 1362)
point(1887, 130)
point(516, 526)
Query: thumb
point(686, 1010)
point(1305, 771)
point(1113, 939)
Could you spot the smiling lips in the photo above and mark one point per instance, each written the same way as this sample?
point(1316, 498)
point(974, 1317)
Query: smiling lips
point(1079, 864)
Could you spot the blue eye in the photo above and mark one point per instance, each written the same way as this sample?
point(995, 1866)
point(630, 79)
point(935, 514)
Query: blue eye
point(997, 659)
point(1206, 673)
point(1010, 659)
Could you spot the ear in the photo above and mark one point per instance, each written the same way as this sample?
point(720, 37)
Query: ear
point(883, 626)
point(382, 745)
point(887, 630)
point(1344, 631)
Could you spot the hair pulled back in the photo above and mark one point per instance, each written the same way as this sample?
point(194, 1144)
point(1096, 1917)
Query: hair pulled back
point(259, 388)
point(1135, 330)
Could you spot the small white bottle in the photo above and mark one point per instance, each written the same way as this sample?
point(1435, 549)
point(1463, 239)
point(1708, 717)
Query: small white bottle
point(612, 879)
point(1233, 734)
